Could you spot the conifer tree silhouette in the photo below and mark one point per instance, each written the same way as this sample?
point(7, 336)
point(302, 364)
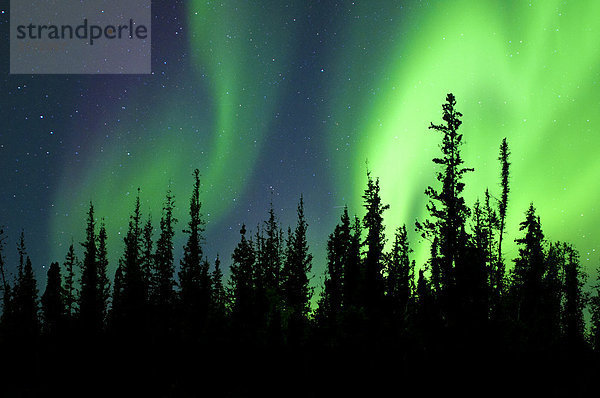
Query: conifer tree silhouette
point(218, 300)
point(528, 273)
point(25, 293)
point(374, 260)
point(504, 180)
point(147, 258)
point(190, 271)
point(163, 293)
point(575, 299)
point(331, 302)
point(447, 206)
point(551, 295)
point(295, 285)
point(70, 264)
point(267, 279)
point(400, 278)
point(7, 318)
point(594, 302)
point(103, 280)
point(90, 305)
point(132, 298)
point(53, 307)
point(242, 290)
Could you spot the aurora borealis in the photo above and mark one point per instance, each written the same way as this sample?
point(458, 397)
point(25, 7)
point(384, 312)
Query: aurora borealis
point(270, 100)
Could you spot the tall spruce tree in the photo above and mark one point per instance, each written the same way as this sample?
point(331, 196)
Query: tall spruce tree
point(91, 313)
point(400, 276)
point(331, 300)
point(70, 264)
point(353, 285)
point(53, 306)
point(528, 273)
point(26, 298)
point(7, 293)
point(374, 261)
point(574, 298)
point(269, 258)
point(147, 258)
point(190, 271)
point(503, 203)
point(241, 287)
point(295, 284)
point(446, 206)
point(594, 302)
point(103, 280)
point(164, 283)
point(132, 301)
point(218, 297)
point(25, 295)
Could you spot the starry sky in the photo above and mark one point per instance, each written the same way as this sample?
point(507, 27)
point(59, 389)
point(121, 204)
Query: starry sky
point(274, 99)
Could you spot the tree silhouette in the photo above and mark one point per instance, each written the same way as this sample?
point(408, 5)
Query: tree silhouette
point(91, 308)
point(241, 285)
point(132, 293)
point(190, 272)
point(147, 258)
point(400, 277)
point(8, 311)
point(446, 206)
point(26, 302)
point(70, 291)
point(163, 293)
point(331, 302)
point(102, 264)
point(295, 284)
point(267, 279)
point(53, 307)
point(528, 273)
point(503, 203)
point(374, 261)
point(575, 298)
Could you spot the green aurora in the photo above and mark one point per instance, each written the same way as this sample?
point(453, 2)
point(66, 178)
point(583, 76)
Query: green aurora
point(525, 70)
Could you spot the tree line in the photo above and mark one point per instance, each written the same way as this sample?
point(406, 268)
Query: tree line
point(468, 299)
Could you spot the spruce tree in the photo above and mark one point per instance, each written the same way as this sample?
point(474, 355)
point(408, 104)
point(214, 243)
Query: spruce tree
point(595, 316)
point(27, 302)
point(446, 206)
point(218, 295)
point(331, 301)
point(528, 273)
point(70, 289)
point(103, 281)
point(190, 271)
point(575, 298)
point(90, 304)
point(7, 293)
point(147, 259)
point(133, 294)
point(53, 307)
point(269, 257)
point(164, 294)
point(503, 203)
point(241, 287)
point(374, 261)
point(400, 276)
point(295, 284)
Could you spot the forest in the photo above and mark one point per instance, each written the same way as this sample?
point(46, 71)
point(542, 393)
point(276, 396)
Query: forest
point(469, 321)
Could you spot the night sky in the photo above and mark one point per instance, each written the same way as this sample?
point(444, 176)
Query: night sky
point(271, 100)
